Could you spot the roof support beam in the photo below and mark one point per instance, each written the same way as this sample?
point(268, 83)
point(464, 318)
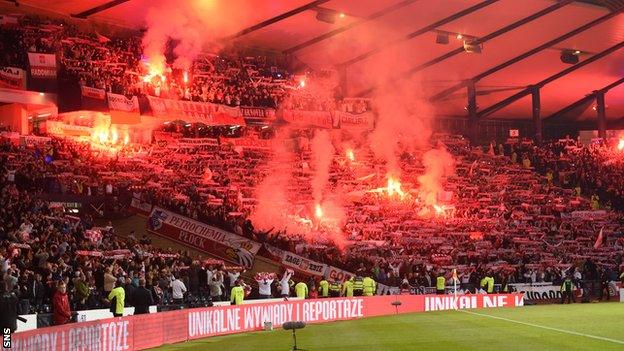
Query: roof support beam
point(583, 101)
point(527, 54)
point(479, 41)
point(419, 32)
point(277, 18)
point(103, 7)
point(337, 31)
point(527, 91)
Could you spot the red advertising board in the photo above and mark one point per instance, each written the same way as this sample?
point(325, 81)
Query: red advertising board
point(152, 330)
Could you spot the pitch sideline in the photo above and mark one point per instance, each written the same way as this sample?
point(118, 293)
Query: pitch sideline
point(621, 342)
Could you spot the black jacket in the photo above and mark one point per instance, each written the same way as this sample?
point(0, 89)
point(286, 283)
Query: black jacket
point(142, 299)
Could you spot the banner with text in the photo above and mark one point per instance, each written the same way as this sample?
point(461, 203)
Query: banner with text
point(42, 65)
point(215, 241)
point(303, 264)
point(152, 330)
point(122, 103)
point(258, 113)
point(348, 120)
point(248, 142)
point(196, 112)
point(321, 119)
point(12, 78)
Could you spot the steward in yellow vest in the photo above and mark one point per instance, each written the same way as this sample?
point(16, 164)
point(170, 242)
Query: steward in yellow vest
point(301, 290)
point(358, 285)
point(237, 295)
point(440, 284)
point(370, 286)
point(324, 288)
point(347, 288)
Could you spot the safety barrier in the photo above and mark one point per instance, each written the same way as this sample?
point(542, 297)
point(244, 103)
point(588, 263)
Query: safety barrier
point(156, 329)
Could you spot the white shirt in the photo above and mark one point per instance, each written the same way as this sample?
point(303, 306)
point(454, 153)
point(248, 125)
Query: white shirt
point(233, 276)
point(265, 286)
point(178, 288)
point(284, 286)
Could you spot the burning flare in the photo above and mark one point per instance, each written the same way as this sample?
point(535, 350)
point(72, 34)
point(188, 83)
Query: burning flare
point(185, 77)
point(350, 155)
point(318, 211)
point(394, 187)
point(621, 144)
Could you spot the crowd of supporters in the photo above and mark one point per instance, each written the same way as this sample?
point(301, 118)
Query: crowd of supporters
point(517, 212)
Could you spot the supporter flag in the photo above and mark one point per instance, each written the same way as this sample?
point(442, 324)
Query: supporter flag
point(101, 39)
point(599, 240)
point(472, 166)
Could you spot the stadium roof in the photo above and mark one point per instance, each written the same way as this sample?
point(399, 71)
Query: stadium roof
point(508, 28)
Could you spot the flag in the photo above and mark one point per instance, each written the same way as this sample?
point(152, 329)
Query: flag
point(101, 39)
point(599, 240)
point(472, 168)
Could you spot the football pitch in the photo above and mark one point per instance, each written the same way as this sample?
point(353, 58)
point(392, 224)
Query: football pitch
point(596, 326)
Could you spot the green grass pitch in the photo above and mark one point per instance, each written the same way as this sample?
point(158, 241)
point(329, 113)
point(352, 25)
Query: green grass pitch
point(596, 326)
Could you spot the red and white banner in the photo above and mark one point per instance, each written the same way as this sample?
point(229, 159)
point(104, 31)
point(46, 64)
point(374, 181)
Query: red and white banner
point(42, 65)
point(94, 93)
point(337, 274)
point(152, 330)
point(194, 142)
point(198, 112)
point(303, 264)
point(122, 103)
point(12, 78)
point(215, 241)
point(598, 214)
point(258, 113)
point(321, 119)
point(248, 142)
point(348, 120)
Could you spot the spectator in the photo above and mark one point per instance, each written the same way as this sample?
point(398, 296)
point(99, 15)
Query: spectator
point(117, 298)
point(142, 298)
point(178, 289)
point(237, 294)
point(60, 305)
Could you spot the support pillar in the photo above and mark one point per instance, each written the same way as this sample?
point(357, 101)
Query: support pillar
point(537, 118)
point(601, 114)
point(473, 118)
point(342, 75)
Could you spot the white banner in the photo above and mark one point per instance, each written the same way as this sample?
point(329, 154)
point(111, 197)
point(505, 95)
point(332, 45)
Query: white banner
point(348, 120)
point(42, 65)
point(193, 142)
point(337, 274)
point(93, 93)
point(303, 264)
point(122, 103)
point(589, 214)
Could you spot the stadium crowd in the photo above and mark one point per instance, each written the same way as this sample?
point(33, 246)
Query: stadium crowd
point(514, 213)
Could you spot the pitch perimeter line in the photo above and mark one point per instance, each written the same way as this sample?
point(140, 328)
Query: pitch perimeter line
point(545, 327)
